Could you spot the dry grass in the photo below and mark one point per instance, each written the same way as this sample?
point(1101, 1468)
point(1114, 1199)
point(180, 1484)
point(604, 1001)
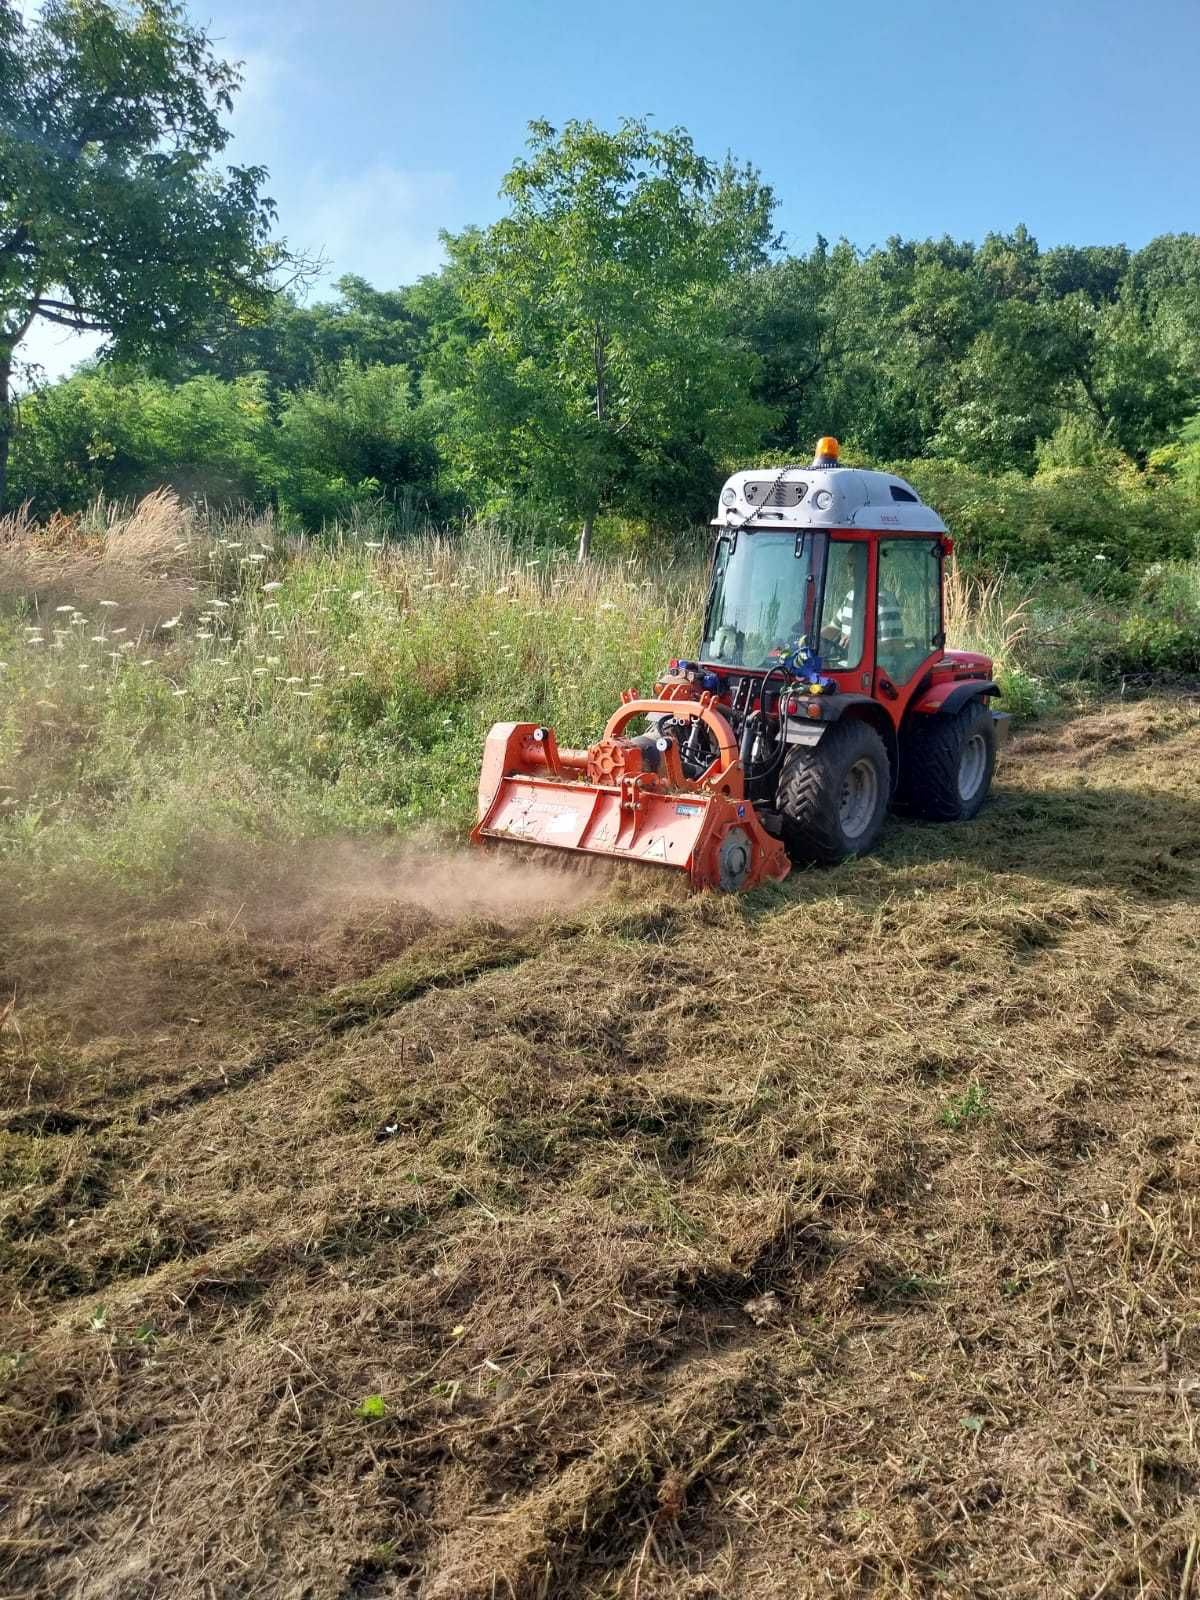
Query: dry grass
point(837, 1240)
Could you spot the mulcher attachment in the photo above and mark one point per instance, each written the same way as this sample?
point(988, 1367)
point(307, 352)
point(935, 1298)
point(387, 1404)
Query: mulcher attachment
point(629, 799)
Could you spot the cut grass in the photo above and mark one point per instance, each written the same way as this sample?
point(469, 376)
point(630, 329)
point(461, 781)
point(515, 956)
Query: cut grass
point(289, 1153)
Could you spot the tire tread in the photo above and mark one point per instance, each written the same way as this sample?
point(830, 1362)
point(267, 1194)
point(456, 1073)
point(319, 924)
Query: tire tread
point(807, 799)
point(929, 772)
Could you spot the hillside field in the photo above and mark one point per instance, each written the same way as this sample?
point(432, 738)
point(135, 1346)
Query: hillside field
point(381, 1223)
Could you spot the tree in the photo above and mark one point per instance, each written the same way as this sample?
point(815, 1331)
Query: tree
point(358, 436)
point(112, 218)
point(607, 377)
point(292, 345)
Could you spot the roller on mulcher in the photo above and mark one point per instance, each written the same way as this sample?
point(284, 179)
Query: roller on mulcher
point(822, 695)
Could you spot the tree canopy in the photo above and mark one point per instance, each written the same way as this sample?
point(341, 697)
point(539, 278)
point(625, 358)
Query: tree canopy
point(629, 330)
point(606, 375)
point(112, 215)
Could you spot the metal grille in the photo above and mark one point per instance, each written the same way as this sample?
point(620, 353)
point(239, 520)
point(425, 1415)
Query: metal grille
point(766, 492)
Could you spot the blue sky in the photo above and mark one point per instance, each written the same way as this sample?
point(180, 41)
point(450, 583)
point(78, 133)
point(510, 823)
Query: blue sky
point(382, 123)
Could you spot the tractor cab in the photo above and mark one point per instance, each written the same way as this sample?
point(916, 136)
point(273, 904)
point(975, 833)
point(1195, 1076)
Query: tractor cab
point(838, 563)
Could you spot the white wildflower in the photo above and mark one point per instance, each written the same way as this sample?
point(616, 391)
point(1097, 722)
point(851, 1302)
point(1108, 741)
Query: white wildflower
point(269, 588)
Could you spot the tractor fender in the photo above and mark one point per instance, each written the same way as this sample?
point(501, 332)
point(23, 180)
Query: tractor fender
point(835, 707)
point(947, 698)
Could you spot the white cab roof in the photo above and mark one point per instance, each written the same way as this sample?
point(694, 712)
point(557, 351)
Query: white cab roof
point(824, 497)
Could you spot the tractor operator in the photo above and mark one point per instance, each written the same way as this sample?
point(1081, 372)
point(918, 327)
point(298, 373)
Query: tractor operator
point(836, 636)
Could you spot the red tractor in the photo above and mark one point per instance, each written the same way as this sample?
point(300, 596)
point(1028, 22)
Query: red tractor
point(822, 694)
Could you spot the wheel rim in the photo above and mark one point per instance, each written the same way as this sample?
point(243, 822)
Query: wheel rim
point(860, 797)
point(733, 859)
point(971, 767)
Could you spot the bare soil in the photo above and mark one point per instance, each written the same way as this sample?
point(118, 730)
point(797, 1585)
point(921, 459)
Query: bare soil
point(449, 1232)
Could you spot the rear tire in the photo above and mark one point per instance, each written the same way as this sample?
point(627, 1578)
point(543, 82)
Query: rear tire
point(947, 763)
point(833, 798)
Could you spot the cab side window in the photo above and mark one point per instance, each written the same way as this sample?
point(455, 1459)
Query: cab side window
point(908, 605)
point(844, 614)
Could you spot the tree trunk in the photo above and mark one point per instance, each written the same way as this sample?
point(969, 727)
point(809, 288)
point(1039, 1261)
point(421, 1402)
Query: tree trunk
point(6, 428)
point(599, 348)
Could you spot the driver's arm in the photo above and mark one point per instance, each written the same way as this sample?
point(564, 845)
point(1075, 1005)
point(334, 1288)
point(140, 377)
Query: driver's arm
point(837, 632)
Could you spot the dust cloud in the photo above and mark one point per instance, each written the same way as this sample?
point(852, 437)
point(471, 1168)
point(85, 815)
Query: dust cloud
point(344, 881)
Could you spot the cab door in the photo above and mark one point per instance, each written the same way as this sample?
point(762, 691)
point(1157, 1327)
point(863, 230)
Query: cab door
point(909, 628)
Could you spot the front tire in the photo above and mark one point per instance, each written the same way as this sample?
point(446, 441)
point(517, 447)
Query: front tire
point(833, 798)
point(948, 762)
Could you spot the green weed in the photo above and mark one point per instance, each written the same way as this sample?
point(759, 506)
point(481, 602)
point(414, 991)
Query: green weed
point(971, 1107)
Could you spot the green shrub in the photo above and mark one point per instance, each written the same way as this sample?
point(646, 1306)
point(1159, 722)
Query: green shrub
point(1095, 526)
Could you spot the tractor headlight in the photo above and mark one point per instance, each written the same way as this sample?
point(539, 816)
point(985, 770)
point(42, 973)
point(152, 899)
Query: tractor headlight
point(729, 497)
point(823, 499)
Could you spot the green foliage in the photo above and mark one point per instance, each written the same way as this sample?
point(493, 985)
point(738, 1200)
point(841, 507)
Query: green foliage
point(978, 354)
point(372, 1408)
point(99, 434)
point(606, 378)
point(355, 436)
point(116, 219)
point(1162, 633)
point(971, 1106)
point(292, 345)
point(600, 356)
point(1099, 525)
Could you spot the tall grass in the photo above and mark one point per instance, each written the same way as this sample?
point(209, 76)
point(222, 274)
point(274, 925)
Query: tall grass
point(164, 674)
point(284, 687)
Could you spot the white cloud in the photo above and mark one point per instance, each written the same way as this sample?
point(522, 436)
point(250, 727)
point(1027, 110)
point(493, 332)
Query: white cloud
point(269, 79)
point(382, 223)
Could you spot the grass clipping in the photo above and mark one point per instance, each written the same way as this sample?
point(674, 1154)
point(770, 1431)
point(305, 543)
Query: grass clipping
point(840, 1239)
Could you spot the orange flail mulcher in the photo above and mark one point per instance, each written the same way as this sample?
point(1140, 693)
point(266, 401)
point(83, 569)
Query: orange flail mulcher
point(630, 798)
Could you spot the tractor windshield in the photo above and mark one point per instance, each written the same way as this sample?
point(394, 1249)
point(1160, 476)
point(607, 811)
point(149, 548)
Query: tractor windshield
point(764, 596)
